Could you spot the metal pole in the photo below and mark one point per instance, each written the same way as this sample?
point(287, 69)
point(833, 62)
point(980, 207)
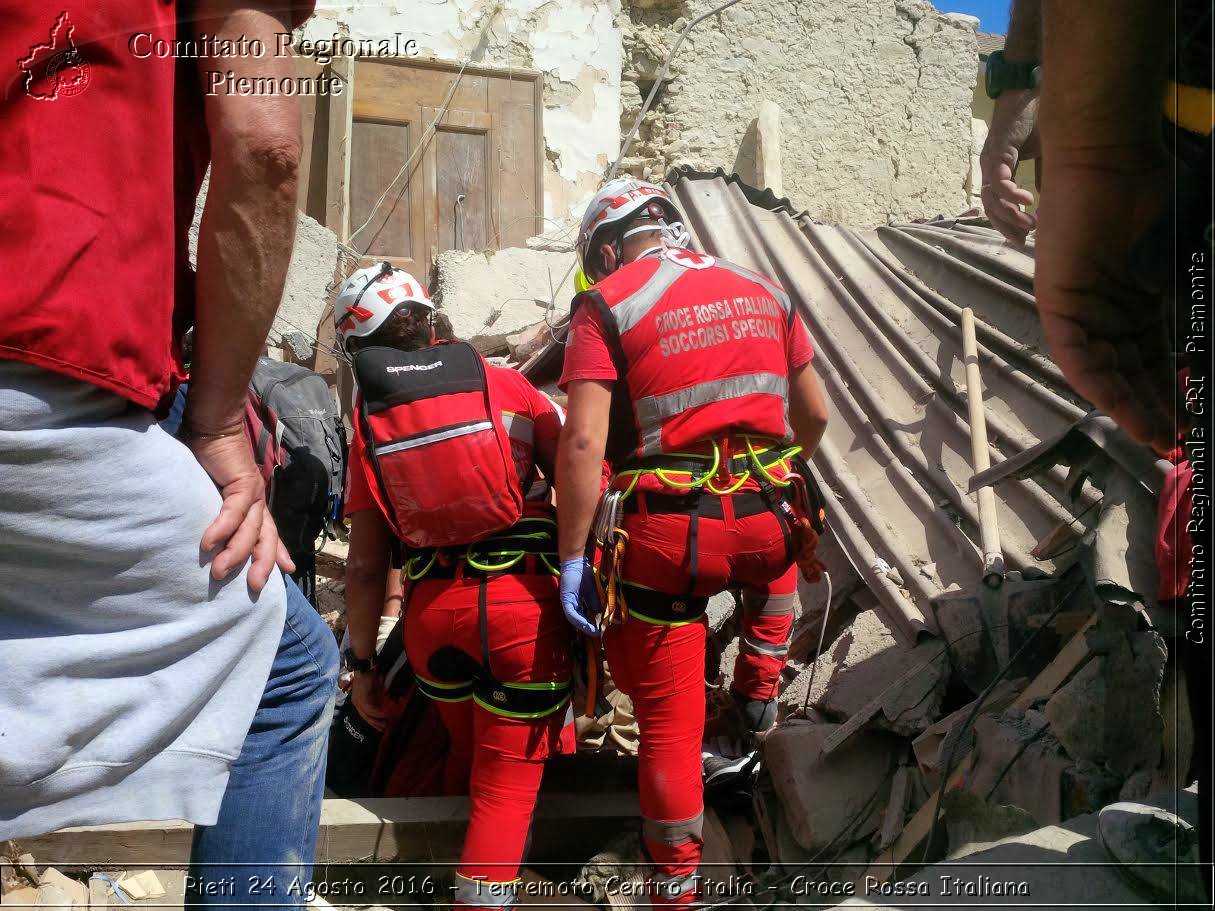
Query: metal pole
point(989, 528)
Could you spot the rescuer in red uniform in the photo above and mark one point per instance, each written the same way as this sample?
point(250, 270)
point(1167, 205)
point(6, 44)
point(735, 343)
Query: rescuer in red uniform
point(482, 627)
point(693, 376)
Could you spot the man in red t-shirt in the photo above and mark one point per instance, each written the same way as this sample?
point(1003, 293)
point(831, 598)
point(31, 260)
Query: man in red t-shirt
point(156, 664)
point(482, 625)
point(694, 376)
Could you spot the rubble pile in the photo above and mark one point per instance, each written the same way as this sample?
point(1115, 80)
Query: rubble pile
point(499, 300)
point(1052, 712)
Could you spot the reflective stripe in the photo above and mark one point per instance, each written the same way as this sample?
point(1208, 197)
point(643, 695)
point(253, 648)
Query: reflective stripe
point(632, 310)
point(782, 298)
point(437, 437)
point(445, 692)
point(769, 605)
point(484, 893)
point(771, 650)
point(518, 427)
point(654, 409)
point(672, 887)
point(672, 833)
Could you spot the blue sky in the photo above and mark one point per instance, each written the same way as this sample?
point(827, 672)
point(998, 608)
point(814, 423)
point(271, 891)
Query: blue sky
point(993, 14)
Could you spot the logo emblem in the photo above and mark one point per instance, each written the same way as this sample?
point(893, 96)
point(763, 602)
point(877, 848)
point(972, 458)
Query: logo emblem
point(689, 259)
point(55, 69)
point(499, 697)
point(679, 607)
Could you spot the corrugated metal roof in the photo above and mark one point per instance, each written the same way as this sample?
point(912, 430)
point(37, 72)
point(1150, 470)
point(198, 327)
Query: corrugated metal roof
point(883, 307)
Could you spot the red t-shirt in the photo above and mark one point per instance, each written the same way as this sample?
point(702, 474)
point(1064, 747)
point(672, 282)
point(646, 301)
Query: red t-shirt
point(104, 149)
point(533, 421)
point(587, 356)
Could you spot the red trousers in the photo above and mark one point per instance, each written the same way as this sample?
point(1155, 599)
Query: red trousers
point(661, 667)
point(498, 760)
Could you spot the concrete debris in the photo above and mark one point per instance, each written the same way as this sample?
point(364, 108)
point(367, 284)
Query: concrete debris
point(759, 154)
point(1109, 712)
point(826, 798)
point(58, 891)
point(1013, 870)
point(559, 239)
point(1019, 762)
point(144, 884)
point(974, 824)
point(492, 295)
point(933, 747)
point(859, 672)
point(24, 897)
point(524, 345)
point(619, 863)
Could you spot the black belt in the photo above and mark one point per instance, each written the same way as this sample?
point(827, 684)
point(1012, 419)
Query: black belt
point(661, 607)
point(745, 505)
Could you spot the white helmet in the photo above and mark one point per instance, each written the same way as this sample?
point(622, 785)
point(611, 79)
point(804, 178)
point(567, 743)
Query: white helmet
point(370, 296)
point(619, 202)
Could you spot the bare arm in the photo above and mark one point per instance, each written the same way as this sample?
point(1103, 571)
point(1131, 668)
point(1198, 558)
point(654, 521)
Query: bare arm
point(807, 409)
point(244, 247)
point(1105, 70)
point(580, 463)
point(1106, 179)
point(367, 566)
point(1013, 136)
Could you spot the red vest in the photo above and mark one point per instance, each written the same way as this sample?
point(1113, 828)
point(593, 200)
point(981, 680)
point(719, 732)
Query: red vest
point(701, 349)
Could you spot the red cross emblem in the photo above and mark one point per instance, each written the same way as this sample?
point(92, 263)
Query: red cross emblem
point(690, 258)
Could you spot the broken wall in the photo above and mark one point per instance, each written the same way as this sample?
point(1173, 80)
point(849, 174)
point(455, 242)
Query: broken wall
point(575, 44)
point(875, 98)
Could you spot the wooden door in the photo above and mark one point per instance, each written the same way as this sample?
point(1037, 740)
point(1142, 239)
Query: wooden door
point(436, 161)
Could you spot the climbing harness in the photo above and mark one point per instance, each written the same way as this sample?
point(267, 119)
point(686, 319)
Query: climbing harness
point(524, 548)
point(787, 489)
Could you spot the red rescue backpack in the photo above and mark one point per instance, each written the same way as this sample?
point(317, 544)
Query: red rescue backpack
point(438, 452)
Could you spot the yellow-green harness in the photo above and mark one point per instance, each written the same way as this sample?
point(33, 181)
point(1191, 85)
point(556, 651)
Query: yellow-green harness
point(487, 559)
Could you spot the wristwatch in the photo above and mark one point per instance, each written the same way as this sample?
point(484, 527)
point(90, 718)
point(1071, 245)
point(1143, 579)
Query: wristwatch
point(1002, 76)
point(357, 665)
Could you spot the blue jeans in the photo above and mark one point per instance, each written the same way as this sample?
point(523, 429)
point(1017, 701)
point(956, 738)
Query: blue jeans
point(261, 848)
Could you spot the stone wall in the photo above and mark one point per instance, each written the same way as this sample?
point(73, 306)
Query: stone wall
point(576, 44)
point(875, 98)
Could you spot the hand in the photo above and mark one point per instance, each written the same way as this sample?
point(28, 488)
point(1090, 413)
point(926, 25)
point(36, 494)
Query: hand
point(243, 528)
point(580, 595)
point(367, 693)
point(1106, 329)
point(1011, 139)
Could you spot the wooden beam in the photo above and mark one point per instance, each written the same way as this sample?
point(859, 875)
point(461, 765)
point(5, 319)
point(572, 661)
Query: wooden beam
point(350, 830)
point(337, 164)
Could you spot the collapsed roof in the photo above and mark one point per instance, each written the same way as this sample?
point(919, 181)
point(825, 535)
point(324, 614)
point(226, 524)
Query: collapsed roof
point(883, 307)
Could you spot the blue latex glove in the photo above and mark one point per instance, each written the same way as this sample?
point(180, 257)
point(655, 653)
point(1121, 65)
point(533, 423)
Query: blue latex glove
point(580, 595)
